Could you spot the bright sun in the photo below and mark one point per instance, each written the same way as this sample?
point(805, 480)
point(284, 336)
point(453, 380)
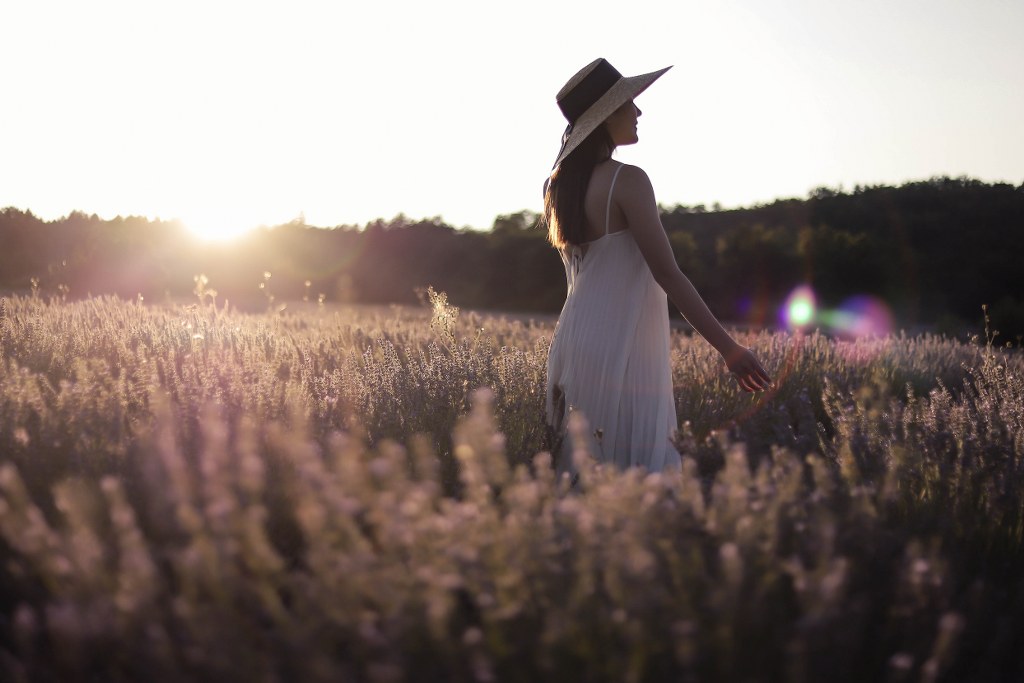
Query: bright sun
point(218, 225)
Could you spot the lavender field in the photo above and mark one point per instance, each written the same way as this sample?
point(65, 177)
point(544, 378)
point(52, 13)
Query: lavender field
point(326, 494)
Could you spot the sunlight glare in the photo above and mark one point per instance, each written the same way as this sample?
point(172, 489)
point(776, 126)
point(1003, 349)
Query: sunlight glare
point(213, 225)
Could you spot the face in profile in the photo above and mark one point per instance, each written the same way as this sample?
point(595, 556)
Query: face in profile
point(621, 124)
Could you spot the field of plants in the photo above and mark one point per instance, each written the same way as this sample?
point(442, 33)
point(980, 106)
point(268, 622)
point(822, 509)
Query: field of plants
point(324, 494)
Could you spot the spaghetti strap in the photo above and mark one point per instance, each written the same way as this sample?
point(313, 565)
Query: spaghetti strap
point(608, 208)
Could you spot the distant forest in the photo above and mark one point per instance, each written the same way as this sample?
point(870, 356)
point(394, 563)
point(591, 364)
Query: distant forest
point(934, 251)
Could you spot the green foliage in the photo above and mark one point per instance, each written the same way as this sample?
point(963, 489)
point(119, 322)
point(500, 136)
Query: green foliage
point(188, 493)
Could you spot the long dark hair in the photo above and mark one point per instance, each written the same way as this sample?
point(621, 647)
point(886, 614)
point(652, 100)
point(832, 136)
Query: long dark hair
point(566, 189)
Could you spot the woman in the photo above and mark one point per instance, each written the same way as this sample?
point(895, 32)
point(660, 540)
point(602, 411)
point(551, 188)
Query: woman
point(609, 358)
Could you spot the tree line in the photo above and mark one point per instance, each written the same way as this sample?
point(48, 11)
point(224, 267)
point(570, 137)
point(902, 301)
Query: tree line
point(933, 251)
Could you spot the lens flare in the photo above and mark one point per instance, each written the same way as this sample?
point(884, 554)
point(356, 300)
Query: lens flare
point(800, 308)
point(858, 317)
point(744, 306)
point(861, 316)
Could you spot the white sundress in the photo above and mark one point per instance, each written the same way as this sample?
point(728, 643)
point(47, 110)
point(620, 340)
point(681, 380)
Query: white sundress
point(609, 358)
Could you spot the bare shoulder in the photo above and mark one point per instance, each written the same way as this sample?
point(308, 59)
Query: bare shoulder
point(636, 186)
point(634, 175)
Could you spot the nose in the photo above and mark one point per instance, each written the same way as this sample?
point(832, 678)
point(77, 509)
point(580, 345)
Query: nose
point(638, 112)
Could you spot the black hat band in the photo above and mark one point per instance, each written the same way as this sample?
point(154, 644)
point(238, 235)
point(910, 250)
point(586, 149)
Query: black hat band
point(589, 90)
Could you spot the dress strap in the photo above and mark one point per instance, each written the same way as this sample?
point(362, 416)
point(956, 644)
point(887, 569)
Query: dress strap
point(608, 209)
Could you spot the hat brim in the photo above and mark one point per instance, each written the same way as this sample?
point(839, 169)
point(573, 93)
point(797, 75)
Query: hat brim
point(624, 90)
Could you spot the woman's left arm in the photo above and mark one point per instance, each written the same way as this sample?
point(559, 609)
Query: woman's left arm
point(635, 197)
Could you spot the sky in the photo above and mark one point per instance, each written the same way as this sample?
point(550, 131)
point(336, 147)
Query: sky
point(229, 115)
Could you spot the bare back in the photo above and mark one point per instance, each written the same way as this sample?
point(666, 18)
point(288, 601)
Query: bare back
point(596, 204)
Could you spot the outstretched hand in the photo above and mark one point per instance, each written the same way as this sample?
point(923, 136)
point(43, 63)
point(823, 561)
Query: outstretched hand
point(749, 373)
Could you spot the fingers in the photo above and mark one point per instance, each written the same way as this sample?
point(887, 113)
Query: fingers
point(759, 384)
point(753, 379)
point(747, 385)
point(750, 374)
point(744, 382)
point(762, 378)
point(757, 375)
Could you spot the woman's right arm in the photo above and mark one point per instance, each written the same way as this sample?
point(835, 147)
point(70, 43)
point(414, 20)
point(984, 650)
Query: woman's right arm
point(634, 195)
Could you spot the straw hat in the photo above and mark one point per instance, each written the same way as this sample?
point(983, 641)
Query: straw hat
point(590, 97)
